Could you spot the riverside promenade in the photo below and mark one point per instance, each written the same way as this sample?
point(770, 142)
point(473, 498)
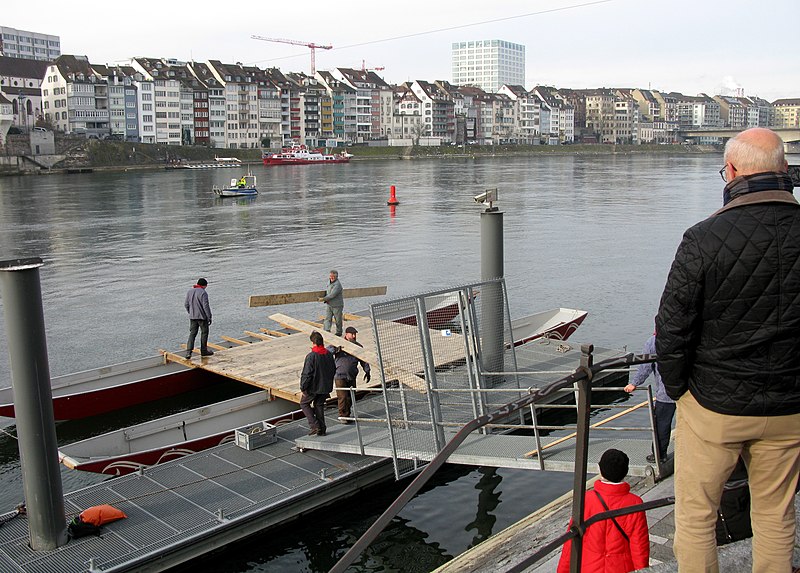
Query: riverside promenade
point(508, 547)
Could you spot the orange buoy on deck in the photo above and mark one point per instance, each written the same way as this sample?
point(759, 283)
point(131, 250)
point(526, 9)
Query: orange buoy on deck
point(392, 196)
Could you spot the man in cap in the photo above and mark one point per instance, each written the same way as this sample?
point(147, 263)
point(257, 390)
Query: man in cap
point(346, 374)
point(334, 303)
point(199, 310)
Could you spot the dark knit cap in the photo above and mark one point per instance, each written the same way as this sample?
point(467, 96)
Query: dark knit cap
point(202, 282)
point(351, 330)
point(613, 465)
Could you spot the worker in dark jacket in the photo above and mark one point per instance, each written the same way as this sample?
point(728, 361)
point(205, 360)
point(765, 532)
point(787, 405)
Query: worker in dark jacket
point(346, 373)
point(199, 310)
point(316, 384)
point(728, 339)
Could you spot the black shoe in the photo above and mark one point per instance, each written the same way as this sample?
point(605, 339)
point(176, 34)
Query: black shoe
point(207, 353)
point(313, 432)
point(189, 355)
point(651, 459)
point(321, 432)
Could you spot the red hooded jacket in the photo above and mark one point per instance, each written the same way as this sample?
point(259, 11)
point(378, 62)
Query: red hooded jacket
point(605, 550)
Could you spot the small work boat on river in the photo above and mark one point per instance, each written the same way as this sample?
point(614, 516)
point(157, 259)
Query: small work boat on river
point(245, 186)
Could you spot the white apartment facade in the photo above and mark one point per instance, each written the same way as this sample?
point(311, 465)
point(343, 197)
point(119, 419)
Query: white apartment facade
point(16, 43)
point(488, 64)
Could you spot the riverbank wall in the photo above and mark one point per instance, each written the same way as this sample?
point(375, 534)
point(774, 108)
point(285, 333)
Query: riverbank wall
point(67, 153)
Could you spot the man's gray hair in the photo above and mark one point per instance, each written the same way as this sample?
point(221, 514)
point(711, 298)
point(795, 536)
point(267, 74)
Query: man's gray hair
point(335, 273)
point(746, 156)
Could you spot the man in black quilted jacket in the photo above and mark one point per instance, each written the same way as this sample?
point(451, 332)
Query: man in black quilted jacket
point(729, 352)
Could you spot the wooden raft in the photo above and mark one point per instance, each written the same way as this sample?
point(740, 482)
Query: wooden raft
point(275, 365)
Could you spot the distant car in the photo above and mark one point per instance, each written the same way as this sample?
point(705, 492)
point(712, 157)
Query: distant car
point(42, 129)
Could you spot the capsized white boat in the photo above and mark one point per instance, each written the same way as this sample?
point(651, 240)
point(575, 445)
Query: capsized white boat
point(124, 450)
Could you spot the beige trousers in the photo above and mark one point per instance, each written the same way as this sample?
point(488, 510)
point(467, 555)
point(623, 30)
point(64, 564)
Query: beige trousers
point(707, 446)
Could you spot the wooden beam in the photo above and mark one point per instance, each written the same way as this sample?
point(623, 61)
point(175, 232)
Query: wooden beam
point(595, 425)
point(311, 296)
point(275, 333)
point(348, 316)
point(408, 378)
point(258, 335)
point(234, 340)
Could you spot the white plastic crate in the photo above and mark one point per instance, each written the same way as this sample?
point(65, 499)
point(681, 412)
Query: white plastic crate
point(256, 435)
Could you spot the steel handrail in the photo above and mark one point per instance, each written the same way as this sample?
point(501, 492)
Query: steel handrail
point(582, 375)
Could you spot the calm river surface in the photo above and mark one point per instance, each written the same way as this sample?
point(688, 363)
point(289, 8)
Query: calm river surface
point(121, 249)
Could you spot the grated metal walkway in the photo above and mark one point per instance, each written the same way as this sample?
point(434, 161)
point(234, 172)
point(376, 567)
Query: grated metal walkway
point(496, 450)
point(182, 509)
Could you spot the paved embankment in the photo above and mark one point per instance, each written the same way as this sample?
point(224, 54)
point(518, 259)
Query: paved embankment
point(512, 545)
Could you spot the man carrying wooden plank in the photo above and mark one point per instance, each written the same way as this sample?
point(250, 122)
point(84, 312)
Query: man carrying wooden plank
point(334, 302)
point(346, 374)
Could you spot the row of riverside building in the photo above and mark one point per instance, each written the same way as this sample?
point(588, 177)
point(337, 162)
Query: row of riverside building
point(152, 100)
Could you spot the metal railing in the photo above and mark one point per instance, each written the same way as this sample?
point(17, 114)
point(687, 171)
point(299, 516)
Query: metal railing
point(580, 379)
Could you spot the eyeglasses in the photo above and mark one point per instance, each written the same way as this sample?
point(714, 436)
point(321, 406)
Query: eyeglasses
point(724, 174)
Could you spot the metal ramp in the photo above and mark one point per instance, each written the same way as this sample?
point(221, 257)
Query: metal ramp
point(496, 450)
point(482, 372)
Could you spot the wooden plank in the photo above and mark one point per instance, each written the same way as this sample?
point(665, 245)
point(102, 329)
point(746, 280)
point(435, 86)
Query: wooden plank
point(408, 378)
point(275, 333)
point(348, 316)
point(258, 335)
point(234, 340)
point(311, 296)
point(595, 425)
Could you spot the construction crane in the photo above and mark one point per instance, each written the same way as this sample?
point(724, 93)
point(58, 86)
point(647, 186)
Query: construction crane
point(311, 45)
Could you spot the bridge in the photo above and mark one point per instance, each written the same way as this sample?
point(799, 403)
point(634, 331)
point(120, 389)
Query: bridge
point(788, 134)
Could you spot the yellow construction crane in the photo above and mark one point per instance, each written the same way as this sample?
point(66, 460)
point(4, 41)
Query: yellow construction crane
point(311, 45)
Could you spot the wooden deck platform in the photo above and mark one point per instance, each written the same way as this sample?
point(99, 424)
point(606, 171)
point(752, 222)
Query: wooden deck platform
point(275, 364)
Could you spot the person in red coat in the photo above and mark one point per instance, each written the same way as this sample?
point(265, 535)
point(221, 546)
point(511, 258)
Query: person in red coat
point(612, 546)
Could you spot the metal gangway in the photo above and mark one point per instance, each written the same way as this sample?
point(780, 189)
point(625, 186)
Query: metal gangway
point(447, 377)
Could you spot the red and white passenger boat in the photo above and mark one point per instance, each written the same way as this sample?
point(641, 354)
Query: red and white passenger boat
point(297, 154)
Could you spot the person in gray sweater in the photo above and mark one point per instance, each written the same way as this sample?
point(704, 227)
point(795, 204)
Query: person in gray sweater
point(199, 310)
point(334, 302)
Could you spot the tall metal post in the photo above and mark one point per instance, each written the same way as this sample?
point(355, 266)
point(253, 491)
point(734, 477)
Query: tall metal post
point(581, 454)
point(492, 304)
point(33, 402)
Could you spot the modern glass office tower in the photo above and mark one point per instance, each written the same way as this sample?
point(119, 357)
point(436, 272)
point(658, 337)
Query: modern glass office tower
point(488, 64)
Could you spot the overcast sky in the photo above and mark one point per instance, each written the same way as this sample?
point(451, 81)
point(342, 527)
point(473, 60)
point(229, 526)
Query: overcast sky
point(689, 46)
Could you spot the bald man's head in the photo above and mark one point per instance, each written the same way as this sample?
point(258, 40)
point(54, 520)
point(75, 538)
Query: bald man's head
point(755, 150)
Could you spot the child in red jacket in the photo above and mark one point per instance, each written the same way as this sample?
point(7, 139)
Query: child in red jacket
point(614, 545)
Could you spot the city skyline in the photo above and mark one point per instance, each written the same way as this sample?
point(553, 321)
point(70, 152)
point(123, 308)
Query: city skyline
point(682, 46)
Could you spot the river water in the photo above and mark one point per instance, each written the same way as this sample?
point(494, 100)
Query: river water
point(121, 249)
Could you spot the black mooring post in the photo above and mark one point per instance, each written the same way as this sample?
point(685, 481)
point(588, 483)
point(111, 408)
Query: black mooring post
point(581, 454)
point(33, 402)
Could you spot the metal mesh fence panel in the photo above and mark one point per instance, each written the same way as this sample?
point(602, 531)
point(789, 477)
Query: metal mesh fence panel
point(437, 351)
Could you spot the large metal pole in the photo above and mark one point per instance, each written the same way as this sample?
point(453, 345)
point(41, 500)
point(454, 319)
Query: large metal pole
point(584, 402)
point(492, 304)
point(33, 402)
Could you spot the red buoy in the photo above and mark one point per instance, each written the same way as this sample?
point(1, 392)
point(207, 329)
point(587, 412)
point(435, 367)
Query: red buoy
point(392, 196)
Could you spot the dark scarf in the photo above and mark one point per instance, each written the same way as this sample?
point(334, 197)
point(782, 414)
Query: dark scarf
point(769, 181)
